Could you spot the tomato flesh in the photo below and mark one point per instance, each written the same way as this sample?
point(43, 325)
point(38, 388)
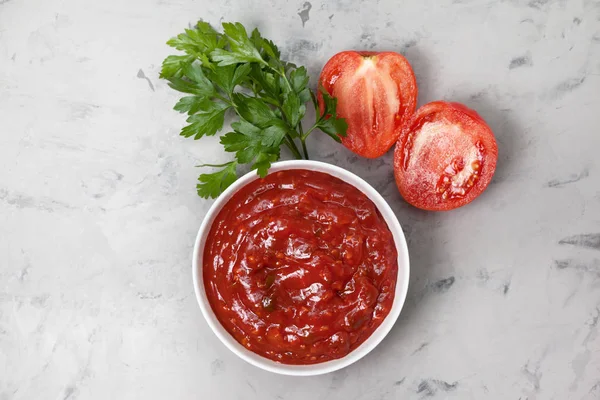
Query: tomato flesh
point(376, 94)
point(445, 157)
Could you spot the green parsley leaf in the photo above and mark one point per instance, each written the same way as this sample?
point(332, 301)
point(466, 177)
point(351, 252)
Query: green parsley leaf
point(223, 77)
point(234, 141)
point(249, 141)
point(241, 72)
point(246, 148)
point(206, 63)
point(189, 104)
point(242, 48)
point(172, 66)
point(229, 76)
point(207, 35)
point(253, 110)
point(273, 135)
point(263, 162)
point(266, 82)
point(182, 85)
point(245, 127)
point(304, 96)
point(291, 108)
point(288, 66)
point(267, 48)
point(202, 39)
point(329, 123)
point(184, 42)
point(212, 185)
point(315, 102)
point(249, 148)
point(207, 120)
point(270, 105)
point(299, 81)
point(329, 101)
point(271, 50)
point(203, 86)
point(334, 128)
point(199, 86)
point(256, 38)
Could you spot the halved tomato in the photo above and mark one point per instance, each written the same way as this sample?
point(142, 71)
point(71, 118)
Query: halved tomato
point(376, 94)
point(445, 157)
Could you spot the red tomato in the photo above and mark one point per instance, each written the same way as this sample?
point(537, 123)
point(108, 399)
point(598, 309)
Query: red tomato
point(376, 94)
point(445, 158)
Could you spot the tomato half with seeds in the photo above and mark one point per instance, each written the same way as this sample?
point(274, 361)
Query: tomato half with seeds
point(445, 157)
point(376, 93)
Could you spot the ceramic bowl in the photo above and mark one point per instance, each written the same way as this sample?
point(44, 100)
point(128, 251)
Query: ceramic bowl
point(327, 366)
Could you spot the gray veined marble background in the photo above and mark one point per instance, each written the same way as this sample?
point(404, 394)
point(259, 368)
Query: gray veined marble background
point(98, 210)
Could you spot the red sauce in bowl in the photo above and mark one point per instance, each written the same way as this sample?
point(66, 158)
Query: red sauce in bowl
point(300, 267)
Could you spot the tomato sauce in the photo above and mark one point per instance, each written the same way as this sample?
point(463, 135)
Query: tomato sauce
point(300, 267)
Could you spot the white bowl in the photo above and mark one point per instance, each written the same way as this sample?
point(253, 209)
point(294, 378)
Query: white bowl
point(328, 366)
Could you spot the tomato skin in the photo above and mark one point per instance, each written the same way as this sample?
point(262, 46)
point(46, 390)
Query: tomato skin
point(376, 94)
point(445, 157)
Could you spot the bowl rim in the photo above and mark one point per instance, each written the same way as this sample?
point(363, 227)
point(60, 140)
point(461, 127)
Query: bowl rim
point(328, 366)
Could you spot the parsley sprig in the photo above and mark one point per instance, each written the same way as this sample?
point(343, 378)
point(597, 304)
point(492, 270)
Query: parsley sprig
point(236, 73)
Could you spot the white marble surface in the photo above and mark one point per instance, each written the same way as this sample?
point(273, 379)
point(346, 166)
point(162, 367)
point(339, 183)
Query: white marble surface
point(98, 209)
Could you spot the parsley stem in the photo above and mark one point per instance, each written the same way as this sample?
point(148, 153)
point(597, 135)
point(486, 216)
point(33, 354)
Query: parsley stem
point(224, 100)
point(312, 128)
point(285, 79)
point(267, 104)
point(216, 165)
point(289, 142)
point(304, 148)
point(303, 140)
point(270, 101)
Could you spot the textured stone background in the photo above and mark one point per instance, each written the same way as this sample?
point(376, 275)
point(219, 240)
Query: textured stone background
point(98, 210)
